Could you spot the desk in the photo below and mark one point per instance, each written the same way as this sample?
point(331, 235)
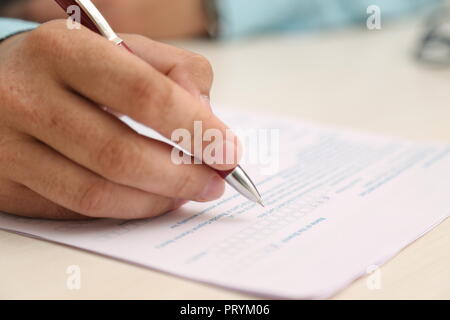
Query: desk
point(356, 78)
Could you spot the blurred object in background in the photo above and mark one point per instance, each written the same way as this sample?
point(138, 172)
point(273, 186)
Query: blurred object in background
point(226, 19)
point(434, 47)
point(152, 18)
point(241, 18)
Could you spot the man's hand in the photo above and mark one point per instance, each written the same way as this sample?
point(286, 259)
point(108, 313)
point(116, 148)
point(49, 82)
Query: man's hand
point(61, 156)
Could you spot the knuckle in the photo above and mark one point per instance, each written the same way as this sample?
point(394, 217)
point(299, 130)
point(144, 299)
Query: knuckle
point(141, 91)
point(150, 101)
point(118, 159)
point(96, 198)
point(45, 37)
point(38, 36)
point(52, 41)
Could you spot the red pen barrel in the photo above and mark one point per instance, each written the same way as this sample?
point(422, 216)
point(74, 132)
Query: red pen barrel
point(224, 174)
point(85, 20)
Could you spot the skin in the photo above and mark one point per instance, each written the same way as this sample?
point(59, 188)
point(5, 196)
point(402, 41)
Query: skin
point(152, 18)
point(62, 157)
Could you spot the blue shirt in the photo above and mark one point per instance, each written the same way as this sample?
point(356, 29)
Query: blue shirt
point(244, 17)
point(9, 27)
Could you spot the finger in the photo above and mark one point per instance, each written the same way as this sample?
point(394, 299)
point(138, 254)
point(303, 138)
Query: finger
point(19, 200)
point(100, 142)
point(191, 71)
point(113, 77)
point(59, 180)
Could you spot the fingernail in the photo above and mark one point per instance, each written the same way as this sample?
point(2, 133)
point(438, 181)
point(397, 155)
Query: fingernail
point(206, 101)
point(213, 190)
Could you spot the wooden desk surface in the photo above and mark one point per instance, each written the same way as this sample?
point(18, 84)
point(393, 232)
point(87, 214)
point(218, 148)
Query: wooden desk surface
point(356, 78)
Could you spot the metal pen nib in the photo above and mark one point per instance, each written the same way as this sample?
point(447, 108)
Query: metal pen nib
point(241, 182)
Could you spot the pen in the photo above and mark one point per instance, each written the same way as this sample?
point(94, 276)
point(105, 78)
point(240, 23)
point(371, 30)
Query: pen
point(94, 20)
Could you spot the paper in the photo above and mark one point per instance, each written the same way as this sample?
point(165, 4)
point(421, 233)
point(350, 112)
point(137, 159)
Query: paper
point(337, 202)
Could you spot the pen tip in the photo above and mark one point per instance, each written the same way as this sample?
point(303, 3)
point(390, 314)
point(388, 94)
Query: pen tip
point(261, 203)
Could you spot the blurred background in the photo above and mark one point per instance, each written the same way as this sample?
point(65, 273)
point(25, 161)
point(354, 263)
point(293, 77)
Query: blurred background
point(379, 65)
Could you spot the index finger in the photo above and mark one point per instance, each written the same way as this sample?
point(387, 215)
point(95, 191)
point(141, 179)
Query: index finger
point(190, 70)
point(111, 76)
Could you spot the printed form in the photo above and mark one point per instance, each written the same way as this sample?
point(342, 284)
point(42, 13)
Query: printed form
point(337, 203)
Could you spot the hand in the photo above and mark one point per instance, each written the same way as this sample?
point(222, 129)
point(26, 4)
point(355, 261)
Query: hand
point(61, 156)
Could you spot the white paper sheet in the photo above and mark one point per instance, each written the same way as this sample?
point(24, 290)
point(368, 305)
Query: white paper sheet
point(341, 202)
